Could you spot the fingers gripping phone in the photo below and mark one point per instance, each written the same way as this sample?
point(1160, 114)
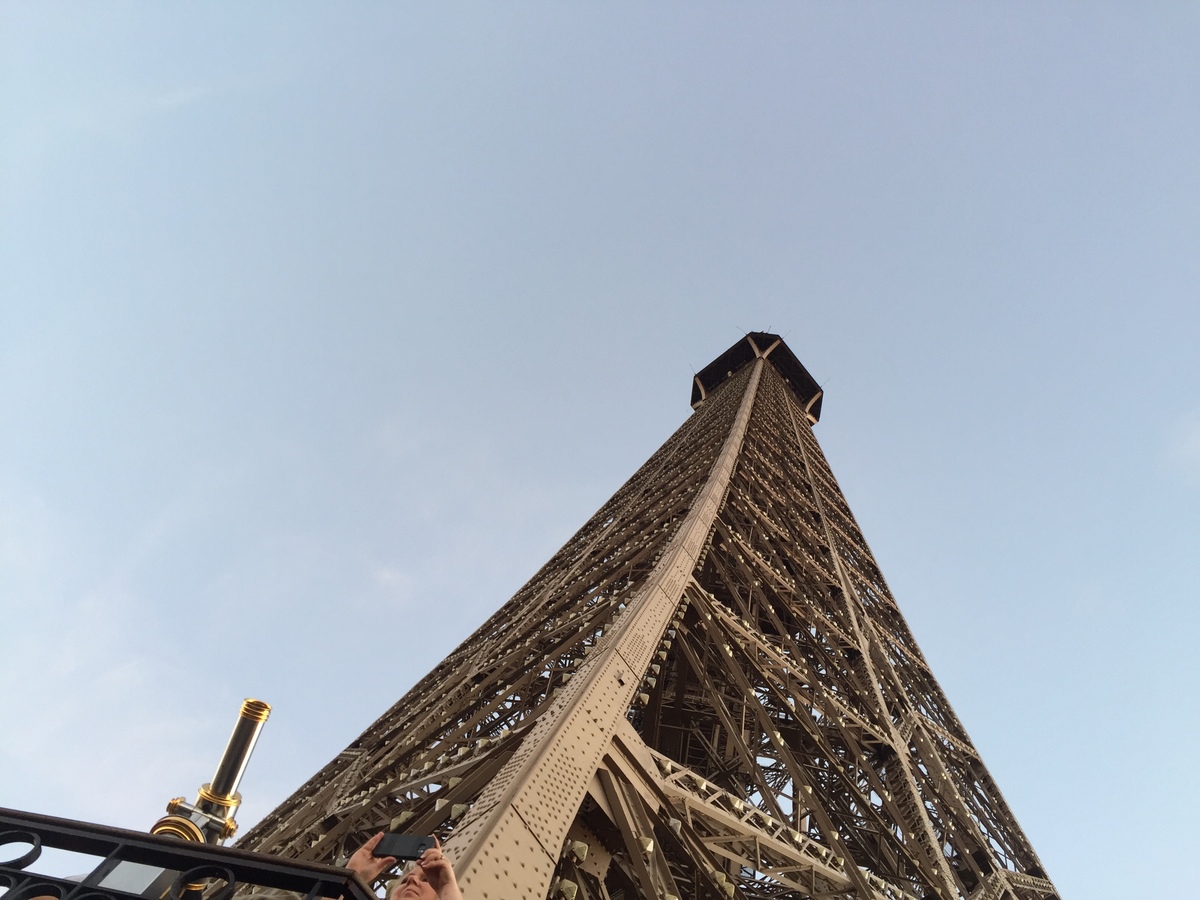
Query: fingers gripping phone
point(404, 846)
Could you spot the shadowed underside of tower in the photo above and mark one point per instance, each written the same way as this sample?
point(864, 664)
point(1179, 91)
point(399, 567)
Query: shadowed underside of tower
point(708, 692)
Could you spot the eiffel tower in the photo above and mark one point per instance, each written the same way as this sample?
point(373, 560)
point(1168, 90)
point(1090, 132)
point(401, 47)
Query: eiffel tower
point(708, 693)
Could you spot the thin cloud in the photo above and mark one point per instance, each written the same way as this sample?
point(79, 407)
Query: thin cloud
point(83, 669)
point(172, 100)
point(36, 132)
point(1183, 451)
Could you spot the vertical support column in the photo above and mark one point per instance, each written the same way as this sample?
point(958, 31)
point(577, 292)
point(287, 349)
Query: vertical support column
point(509, 844)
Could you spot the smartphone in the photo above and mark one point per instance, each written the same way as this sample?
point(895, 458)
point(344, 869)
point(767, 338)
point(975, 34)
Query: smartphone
point(404, 846)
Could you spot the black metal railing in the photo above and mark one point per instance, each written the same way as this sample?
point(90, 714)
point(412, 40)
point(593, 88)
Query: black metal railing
point(171, 869)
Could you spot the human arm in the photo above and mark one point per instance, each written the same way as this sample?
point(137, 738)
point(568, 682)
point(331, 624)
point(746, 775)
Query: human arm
point(439, 873)
point(365, 865)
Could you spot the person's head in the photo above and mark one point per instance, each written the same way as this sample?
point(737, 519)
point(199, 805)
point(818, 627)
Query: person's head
point(411, 885)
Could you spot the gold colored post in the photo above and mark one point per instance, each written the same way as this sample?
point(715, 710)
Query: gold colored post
point(211, 817)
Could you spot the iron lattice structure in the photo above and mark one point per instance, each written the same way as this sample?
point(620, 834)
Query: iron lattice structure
point(708, 693)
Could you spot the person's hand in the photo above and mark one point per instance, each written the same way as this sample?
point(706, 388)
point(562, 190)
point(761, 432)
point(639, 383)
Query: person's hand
point(366, 866)
point(439, 873)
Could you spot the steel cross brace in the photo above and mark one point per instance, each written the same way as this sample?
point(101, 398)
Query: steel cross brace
point(715, 824)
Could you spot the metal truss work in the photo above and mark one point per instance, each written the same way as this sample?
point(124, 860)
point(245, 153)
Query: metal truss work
point(708, 692)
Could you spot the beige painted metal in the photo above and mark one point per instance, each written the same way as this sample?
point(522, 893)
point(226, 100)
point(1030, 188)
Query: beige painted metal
point(707, 692)
point(740, 833)
point(869, 644)
point(511, 841)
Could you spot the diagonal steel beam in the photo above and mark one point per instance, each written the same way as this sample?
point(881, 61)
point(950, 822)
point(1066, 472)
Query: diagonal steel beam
point(933, 861)
point(646, 860)
point(737, 832)
point(510, 842)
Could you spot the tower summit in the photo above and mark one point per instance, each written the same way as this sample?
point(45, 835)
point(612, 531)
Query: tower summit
point(708, 692)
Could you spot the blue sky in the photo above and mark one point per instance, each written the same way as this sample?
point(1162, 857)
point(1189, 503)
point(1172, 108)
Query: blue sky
point(323, 326)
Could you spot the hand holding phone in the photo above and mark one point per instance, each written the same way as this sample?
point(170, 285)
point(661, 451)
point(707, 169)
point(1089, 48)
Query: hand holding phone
point(404, 846)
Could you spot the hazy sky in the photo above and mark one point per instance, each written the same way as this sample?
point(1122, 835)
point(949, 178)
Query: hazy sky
point(323, 325)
